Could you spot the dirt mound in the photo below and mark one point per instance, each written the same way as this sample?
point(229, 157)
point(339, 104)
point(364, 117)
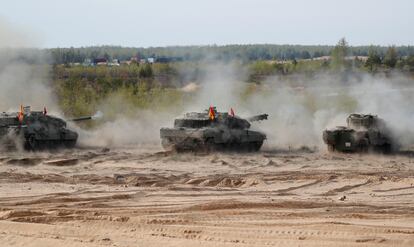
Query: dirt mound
point(62, 162)
point(24, 161)
point(226, 181)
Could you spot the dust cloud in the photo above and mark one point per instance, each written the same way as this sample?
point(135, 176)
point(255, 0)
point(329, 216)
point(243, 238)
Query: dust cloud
point(22, 82)
point(221, 86)
point(121, 124)
point(300, 113)
point(13, 36)
point(123, 131)
point(300, 107)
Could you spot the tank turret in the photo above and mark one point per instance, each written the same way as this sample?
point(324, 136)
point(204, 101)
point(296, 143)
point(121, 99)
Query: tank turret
point(212, 130)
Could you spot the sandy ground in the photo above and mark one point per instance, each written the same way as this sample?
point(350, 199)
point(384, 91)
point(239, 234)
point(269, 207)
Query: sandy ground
point(146, 197)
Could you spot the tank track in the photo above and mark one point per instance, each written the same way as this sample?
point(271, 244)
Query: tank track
point(32, 144)
point(196, 145)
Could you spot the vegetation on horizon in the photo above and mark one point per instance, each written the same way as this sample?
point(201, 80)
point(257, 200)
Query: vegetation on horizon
point(245, 53)
point(81, 90)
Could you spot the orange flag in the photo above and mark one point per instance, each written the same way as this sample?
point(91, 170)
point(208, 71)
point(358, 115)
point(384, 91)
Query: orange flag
point(20, 115)
point(211, 113)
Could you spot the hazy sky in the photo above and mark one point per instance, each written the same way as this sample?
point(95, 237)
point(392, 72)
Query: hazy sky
point(143, 23)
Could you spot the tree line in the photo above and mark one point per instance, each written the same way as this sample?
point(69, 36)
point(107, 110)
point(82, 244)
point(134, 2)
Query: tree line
point(246, 53)
point(214, 52)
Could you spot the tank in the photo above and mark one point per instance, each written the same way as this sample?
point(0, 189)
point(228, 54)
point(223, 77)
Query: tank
point(363, 133)
point(35, 130)
point(212, 130)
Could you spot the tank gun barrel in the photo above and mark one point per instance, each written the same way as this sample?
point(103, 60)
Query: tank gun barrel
point(96, 116)
point(79, 119)
point(13, 126)
point(258, 118)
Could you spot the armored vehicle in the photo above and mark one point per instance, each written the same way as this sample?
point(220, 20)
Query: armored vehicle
point(363, 133)
point(35, 130)
point(212, 130)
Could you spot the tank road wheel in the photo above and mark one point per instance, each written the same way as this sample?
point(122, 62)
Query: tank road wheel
point(250, 147)
point(209, 145)
point(385, 148)
point(31, 143)
point(196, 146)
point(70, 143)
point(256, 146)
point(167, 144)
point(364, 145)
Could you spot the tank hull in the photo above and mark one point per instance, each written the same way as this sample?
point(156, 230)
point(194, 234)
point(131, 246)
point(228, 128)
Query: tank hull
point(67, 139)
point(185, 139)
point(350, 140)
point(363, 133)
point(212, 130)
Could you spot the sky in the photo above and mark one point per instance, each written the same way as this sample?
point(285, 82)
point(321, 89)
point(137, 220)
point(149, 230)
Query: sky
point(145, 23)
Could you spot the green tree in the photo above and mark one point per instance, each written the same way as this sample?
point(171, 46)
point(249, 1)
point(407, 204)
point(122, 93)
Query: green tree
point(305, 55)
point(409, 63)
point(410, 60)
point(391, 57)
point(373, 61)
point(146, 71)
point(317, 54)
point(339, 54)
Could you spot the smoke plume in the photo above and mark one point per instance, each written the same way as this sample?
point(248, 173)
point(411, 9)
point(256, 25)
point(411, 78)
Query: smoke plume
point(300, 107)
point(22, 82)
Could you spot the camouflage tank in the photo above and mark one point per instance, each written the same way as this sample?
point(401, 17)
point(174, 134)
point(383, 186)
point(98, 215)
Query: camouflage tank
point(363, 133)
point(36, 130)
point(212, 130)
